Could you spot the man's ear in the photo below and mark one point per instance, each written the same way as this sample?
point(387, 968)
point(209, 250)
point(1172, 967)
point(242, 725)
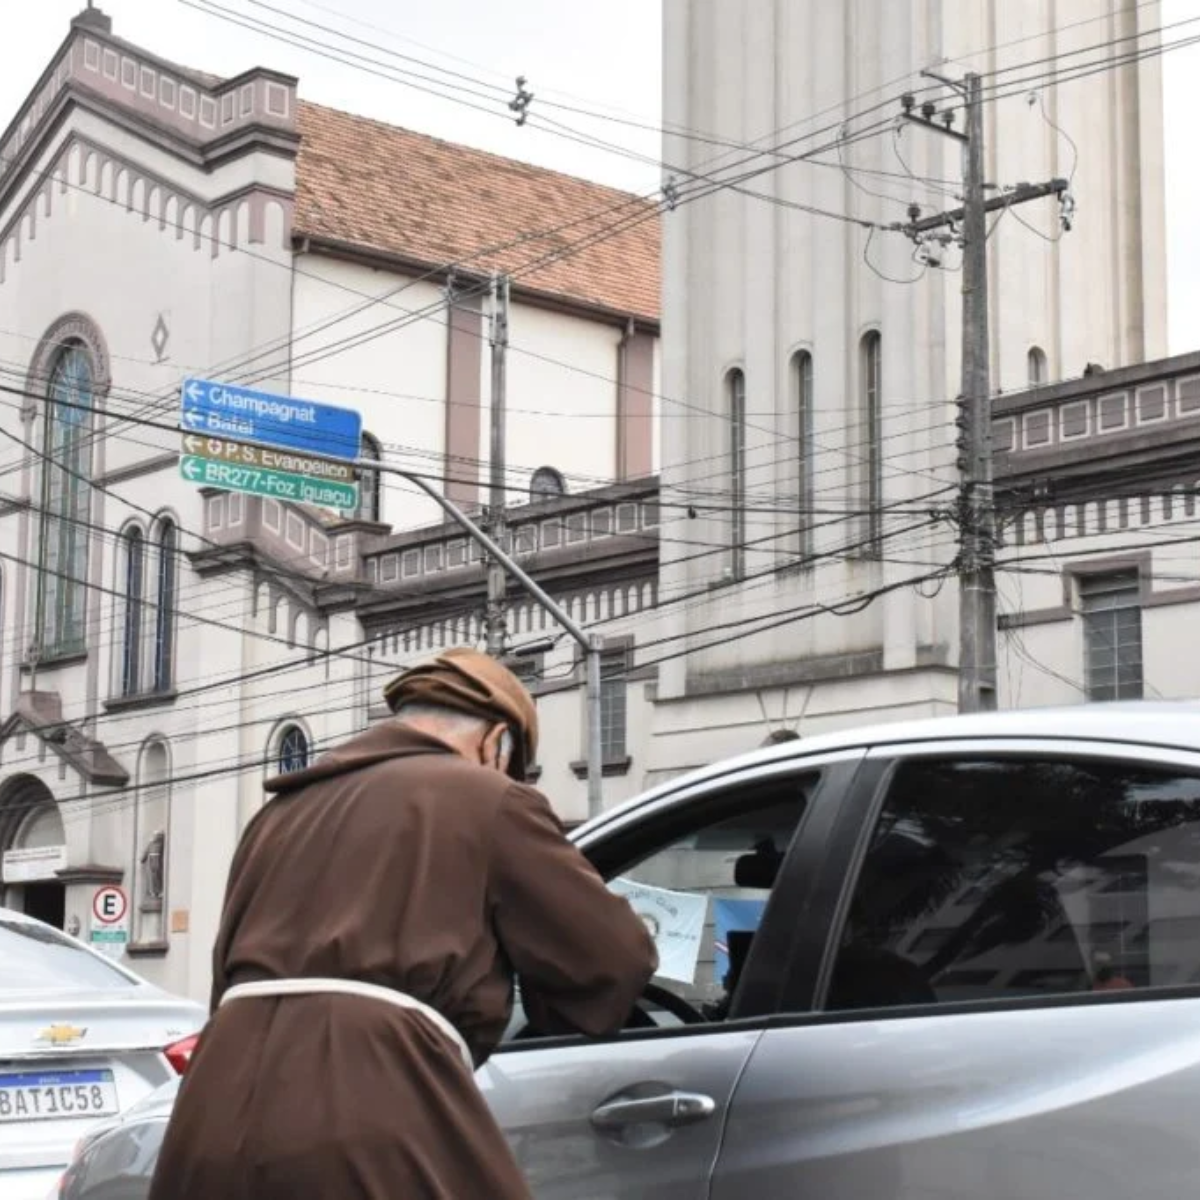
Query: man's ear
point(491, 746)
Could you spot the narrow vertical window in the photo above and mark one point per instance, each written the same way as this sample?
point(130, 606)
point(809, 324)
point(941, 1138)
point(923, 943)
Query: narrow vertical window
point(614, 667)
point(164, 617)
point(1037, 366)
point(131, 645)
point(736, 387)
point(63, 545)
point(871, 449)
point(802, 385)
point(1112, 635)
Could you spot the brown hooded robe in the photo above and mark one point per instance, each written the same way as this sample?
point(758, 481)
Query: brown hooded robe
point(393, 861)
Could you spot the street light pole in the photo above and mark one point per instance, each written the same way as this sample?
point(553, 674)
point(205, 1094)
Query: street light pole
point(589, 643)
point(498, 465)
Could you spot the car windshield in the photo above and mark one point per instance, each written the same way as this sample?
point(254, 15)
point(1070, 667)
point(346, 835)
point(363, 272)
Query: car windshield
point(35, 957)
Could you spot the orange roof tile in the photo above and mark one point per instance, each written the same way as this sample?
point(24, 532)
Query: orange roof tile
point(375, 185)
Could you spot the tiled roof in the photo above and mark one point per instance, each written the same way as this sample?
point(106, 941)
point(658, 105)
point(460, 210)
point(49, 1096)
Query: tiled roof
point(379, 186)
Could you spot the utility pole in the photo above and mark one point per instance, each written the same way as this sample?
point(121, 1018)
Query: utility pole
point(496, 501)
point(976, 505)
point(977, 577)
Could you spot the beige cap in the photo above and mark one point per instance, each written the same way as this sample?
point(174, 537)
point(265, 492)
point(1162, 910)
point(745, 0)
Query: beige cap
point(475, 683)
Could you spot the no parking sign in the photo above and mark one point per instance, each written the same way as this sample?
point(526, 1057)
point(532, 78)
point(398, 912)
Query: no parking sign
point(110, 921)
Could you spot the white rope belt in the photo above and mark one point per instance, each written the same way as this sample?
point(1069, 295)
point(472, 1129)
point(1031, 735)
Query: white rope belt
point(352, 987)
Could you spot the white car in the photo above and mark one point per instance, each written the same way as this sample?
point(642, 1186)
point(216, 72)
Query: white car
point(81, 1039)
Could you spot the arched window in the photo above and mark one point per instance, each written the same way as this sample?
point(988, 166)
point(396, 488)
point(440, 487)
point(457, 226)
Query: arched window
point(63, 544)
point(802, 389)
point(546, 484)
point(735, 395)
point(871, 449)
point(165, 600)
point(293, 749)
point(133, 546)
point(369, 491)
point(1037, 366)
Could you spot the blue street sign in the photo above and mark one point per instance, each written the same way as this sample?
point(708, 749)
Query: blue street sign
point(240, 414)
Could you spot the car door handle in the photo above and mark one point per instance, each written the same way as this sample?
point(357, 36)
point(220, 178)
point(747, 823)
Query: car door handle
point(673, 1108)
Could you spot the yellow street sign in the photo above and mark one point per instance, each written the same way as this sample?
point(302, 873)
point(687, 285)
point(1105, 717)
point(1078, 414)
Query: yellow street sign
point(264, 459)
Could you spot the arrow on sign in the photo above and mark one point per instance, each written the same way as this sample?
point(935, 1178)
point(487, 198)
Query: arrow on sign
point(191, 470)
point(193, 443)
point(195, 393)
point(193, 418)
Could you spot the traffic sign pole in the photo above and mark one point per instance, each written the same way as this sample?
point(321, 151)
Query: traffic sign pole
point(590, 644)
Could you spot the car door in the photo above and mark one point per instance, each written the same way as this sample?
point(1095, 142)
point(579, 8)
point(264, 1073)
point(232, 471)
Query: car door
point(641, 1114)
point(1003, 1000)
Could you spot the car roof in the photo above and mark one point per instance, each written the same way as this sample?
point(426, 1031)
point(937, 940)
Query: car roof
point(15, 917)
point(12, 914)
point(1171, 724)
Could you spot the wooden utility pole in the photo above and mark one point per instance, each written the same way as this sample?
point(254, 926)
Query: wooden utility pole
point(976, 505)
point(977, 577)
point(496, 580)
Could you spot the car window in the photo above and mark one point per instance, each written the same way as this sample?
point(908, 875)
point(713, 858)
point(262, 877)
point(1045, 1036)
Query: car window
point(36, 957)
point(699, 874)
point(703, 889)
point(989, 880)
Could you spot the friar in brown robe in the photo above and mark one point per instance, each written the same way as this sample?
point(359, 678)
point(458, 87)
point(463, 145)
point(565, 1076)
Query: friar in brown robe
point(405, 859)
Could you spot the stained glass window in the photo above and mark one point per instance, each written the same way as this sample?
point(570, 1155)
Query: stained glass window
point(66, 505)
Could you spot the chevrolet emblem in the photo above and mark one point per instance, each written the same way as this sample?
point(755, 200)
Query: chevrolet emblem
point(61, 1035)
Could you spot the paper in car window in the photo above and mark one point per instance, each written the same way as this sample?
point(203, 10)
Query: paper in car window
point(676, 922)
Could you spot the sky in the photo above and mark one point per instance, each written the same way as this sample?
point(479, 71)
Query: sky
point(570, 59)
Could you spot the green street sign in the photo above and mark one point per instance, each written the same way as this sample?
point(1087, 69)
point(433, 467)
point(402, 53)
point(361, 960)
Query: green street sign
point(261, 481)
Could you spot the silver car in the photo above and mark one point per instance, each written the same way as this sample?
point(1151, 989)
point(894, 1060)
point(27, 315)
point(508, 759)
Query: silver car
point(958, 957)
point(81, 1038)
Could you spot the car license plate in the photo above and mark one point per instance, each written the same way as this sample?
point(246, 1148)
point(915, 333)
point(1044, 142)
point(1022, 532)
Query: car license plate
point(55, 1095)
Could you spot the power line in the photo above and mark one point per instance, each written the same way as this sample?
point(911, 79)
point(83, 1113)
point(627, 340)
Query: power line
point(195, 614)
point(792, 506)
point(116, 797)
point(353, 686)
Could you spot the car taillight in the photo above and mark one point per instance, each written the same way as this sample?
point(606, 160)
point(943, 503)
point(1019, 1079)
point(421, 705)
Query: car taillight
point(179, 1054)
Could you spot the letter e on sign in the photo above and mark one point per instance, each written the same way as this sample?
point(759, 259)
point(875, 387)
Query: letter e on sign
point(109, 905)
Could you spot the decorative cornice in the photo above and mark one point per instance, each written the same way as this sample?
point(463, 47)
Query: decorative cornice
point(197, 111)
point(91, 873)
point(210, 226)
point(41, 714)
point(1034, 521)
point(1102, 417)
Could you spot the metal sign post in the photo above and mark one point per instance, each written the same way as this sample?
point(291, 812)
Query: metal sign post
point(589, 643)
